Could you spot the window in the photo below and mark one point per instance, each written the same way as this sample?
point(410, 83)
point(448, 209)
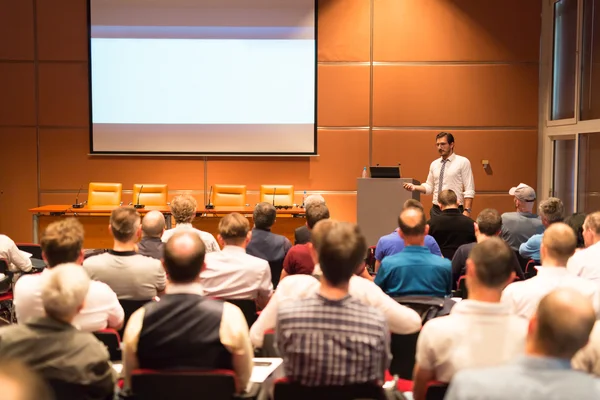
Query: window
point(588, 190)
point(563, 185)
point(590, 61)
point(564, 60)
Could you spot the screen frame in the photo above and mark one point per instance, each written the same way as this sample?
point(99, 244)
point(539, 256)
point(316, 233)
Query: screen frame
point(203, 154)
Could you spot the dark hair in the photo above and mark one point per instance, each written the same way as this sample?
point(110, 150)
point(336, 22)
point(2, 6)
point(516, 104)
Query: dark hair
point(31, 385)
point(576, 222)
point(62, 241)
point(447, 198)
point(447, 135)
point(489, 222)
point(493, 262)
point(264, 215)
point(184, 268)
point(124, 222)
point(316, 213)
point(412, 203)
point(414, 230)
point(342, 250)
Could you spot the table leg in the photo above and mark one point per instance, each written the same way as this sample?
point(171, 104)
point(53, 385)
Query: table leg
point(36, 225)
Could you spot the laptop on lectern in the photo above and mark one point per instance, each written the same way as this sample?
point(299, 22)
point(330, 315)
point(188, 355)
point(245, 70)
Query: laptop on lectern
point(385, 172)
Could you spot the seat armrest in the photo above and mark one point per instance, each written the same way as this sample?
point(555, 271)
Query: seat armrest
point(252, 392)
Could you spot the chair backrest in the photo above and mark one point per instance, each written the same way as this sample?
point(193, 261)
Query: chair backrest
point(67, 390)
point(276, 268)
point(104, 194)
point(462, 287)
point(370, 259)
point(129, 307)
point(183, 385)
point(404, 349)
point(436, 390)
point(248, 308)
point(112, 340)
point(152, 194)
point(229, 195)
point(530, 271)
point(427, 307)
point(281, 195)
point(32, 248)
point(285, 390)
point(6, 281)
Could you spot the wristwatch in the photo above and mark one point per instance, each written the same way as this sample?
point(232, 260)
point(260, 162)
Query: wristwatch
point(468, 210)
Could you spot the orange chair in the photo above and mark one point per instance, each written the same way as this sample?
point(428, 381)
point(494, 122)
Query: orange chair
point(104, 194)
point(281, 195)
point(229, 195)
point(150, 194)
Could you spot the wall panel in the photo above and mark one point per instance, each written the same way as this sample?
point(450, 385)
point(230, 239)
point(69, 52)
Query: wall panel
point(17, 94)
point(344, 30)
point(62, 30)
point(343, 95)
point(63, 94)
point(16, 30)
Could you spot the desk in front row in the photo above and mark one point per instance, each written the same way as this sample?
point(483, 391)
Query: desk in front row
point(95, 220)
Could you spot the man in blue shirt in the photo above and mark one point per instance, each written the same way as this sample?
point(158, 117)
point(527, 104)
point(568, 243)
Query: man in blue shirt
point(551, 210)
point(393, 243)
point(414, 271)
point(560, 327)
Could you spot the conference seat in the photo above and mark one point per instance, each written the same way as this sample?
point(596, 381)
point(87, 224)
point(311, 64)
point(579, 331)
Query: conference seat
point(279, 195)
point(229, 195)
point(248, 308)
point(32, 248)
point(104, 194)
point(7, 310)
point(112, 340)
point(67, 390)
point(129, 307)
point(287, 390)
point(151, 194)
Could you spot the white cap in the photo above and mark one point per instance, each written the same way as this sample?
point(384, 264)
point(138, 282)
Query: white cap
point(523, 192)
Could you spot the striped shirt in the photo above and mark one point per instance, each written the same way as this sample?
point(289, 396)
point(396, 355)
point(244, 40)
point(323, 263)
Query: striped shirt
point(332, 342)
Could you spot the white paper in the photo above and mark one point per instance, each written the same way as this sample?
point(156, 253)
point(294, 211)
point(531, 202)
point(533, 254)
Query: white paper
point(261, 373)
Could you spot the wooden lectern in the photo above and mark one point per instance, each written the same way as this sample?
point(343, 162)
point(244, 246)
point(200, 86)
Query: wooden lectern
point(379, 203)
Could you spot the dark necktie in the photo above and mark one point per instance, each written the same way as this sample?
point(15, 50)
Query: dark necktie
point(442, 176)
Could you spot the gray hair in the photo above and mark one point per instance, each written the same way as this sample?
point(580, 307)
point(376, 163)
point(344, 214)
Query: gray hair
point(313, 199)
point(64, 291)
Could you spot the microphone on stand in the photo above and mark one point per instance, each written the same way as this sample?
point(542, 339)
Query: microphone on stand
point(210, 205)
point(77, 203)
point(138, 205)
point(274, 190)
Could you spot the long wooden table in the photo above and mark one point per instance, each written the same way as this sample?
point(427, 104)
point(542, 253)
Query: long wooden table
point(95, 220)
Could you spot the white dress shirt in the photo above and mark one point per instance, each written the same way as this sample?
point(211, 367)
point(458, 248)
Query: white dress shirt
point(476, 334)
point(458, 177)
point(209, 240)
point(586, 263)
point(101, 308)
point(400, 319)
point(234, 275)
point(17, 262)
point(523, 297)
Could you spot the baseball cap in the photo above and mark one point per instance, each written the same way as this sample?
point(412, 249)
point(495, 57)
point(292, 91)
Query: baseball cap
point(523, 192)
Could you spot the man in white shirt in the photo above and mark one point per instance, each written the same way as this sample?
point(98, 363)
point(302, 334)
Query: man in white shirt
point(62, 243)
point(231, 273)
point(17, 262)
point(184, 209)
point(558, 244)
point(586, 263)
point(452, 172)
point(480, 331)
point(401, 320)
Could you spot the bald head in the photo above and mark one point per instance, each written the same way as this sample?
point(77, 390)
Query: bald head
point(562, 323)
point(412, 222)
point(558, 244)
point(153, 224)
point(184, 257)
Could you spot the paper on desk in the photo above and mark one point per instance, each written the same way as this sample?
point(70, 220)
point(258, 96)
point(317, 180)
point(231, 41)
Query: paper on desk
point(261, 373)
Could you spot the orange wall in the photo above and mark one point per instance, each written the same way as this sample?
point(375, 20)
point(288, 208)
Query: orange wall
point(392, 73)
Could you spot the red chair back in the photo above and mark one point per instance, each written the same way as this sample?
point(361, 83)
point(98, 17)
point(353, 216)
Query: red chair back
point(112, 340)
point(183, 385)
point(436, 390)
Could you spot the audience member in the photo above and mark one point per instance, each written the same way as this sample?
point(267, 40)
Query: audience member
point(518, 226)
point(551, 211)
point(586, 263)
point(331, 338)
point(451, 228)
point(393, 243)
point(17, 261)
point(231, 273)
point(184, 208)
point(558, 244)
point(185, 330)
point(62, 243)
point(576, 221)
point(560, 327)
point(302, 234)
point(479, 331)
point(52, 346)
point(266, 244)
point(400, 319)
point(415, 271)
point(18, 382)
point(153, 227)
point(488, 224)
point(299, 260)
point(130, 275)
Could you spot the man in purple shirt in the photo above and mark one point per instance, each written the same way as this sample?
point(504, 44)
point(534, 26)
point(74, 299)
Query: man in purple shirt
point(391, 244)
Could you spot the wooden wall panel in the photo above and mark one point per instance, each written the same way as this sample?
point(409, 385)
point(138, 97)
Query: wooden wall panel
point(458, 95)
point(18, 182)
point(512, 155)
point(343, 95)
point(344, 30)
point(465, 30)
point(62, 30)
point(17, 94)
point(65, 165)
point(63, 94)
point(16, 30)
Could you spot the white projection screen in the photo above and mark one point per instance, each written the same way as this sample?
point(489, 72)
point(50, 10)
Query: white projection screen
point(222, 77)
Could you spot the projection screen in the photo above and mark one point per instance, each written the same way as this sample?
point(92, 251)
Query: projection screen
point(203, 77)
